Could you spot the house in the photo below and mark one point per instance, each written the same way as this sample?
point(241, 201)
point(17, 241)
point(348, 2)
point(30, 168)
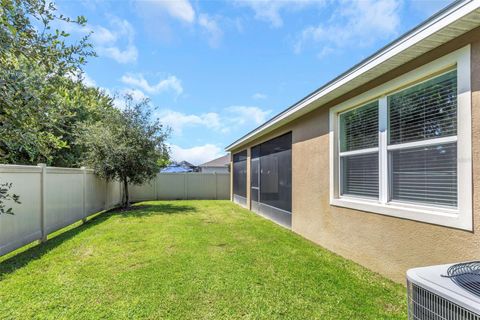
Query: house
point(180, 167)
point(382, 164)
point(175, 168)
point(219, 165)
point(188, 165)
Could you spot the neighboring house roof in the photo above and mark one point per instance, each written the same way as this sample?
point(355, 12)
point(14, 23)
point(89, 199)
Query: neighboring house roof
point(186, 164)
point(453, 21)
point(175, 169)
point(219, 162)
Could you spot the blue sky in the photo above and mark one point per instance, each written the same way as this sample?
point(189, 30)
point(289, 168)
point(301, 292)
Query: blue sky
point(215, 70)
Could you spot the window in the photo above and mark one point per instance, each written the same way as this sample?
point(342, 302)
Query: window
point(271, 173)
point(240, 174)
point(426, 171)
point(425, 175)
point(359, 151)
point(407, 152)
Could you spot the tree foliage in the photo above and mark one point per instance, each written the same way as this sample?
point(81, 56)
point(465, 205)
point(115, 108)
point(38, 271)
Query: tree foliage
point(42, 98)
point(129, 147)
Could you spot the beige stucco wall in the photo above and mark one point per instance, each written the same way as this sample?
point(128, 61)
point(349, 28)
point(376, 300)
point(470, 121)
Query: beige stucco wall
point(384, 244)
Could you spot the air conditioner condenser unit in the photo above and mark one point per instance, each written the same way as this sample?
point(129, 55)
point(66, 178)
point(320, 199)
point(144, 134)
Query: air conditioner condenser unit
point(444, 292)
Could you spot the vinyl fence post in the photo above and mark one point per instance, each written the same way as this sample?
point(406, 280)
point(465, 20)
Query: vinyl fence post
point(185, 182)
point(84, 172)
point(216, 186)
point(155, 186)
point(43, 200)
point(105, 199)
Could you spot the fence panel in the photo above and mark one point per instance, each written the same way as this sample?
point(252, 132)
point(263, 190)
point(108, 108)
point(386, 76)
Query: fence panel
point(113, 194)
point(64, 197)
point(201, 186)
point(25, 226)
point(95, 193)
point(183, 186)
point(143, 192)
point(223, 186)
point(53, 198)
point(170, 186)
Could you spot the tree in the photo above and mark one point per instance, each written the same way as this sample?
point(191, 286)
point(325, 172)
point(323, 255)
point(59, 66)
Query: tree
point(128, 147)
point(41, 105)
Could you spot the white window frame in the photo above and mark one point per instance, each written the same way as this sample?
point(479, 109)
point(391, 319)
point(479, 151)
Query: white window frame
point(460, 217)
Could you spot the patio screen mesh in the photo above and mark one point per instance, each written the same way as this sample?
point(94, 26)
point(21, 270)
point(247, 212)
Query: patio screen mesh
point(240, 173)
point(272, 173)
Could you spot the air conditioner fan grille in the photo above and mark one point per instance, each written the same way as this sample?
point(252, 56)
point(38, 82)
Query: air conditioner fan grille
point(466, 275)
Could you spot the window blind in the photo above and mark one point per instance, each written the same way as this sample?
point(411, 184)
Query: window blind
point(425, 174)
point(360, 175)
point(358, 132)
point(359, 128)
point(425, 111)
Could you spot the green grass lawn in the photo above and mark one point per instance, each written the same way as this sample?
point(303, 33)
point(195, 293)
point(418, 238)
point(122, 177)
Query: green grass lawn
point(189, 260)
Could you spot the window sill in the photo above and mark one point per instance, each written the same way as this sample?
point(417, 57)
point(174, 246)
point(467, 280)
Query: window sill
point(439, 216)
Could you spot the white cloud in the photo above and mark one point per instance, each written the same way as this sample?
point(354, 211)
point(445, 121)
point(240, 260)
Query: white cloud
point(137, 95)
point(178, 121)
point(212, 29)
point(118, 102)
point(196, 155)
point(157, 15)
point(244, 114)
point(84, 77)
point(325, 52)
point(171, 83)
point(358, 22)
point(178, 9)
point(102, 35)
point(118, 96)
point(88, 81)
point(130, 54)
point(223, 122)
point(271, 10)
point(259, 96)
point(116, 43)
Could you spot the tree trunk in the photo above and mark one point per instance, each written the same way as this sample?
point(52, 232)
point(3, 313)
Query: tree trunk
point(126, 202)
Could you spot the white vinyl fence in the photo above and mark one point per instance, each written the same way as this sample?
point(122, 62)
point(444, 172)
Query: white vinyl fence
point(52, 198)
point(177, 186)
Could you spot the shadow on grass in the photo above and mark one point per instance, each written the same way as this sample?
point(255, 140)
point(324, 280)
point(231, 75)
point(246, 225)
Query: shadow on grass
point(17, 261)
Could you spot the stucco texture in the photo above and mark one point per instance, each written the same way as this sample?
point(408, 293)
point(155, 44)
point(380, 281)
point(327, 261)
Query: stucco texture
point(385, 244)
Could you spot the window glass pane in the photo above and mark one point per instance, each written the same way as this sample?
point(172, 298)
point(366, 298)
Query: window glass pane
point(240, 173)
point(425, 111)
point(276, 172)
point(425, 175)
point(360, 175)
point(359, 128)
